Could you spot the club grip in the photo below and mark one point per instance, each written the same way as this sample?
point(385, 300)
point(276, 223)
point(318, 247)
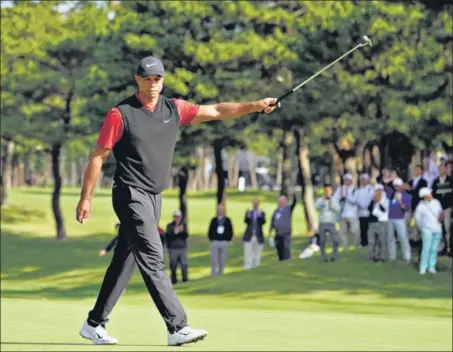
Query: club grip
point(279, 99)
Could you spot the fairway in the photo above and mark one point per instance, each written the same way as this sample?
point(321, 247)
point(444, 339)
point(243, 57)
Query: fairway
point(48, 287)
point(139, 328)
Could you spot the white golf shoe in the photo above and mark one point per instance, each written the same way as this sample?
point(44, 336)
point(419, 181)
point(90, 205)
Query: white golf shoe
point(98, 335)
point(186, 335)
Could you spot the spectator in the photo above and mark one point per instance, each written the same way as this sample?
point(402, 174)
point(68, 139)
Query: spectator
point(346, 196)
point(377, 230)
point(429, 217)
point(111, 244)
point(327, 220)
point(282, 224)
point(253, 236)
point(443, 191)
point(416, 184)
point(400, 203)
point(387, 176)
point(449, 166)
point(220, 234)
point(364, 197)
point(176, 239)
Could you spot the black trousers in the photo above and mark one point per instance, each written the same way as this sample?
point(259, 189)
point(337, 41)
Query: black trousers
point(178, 257)
point(364, 223)
point(139, 244)
point(283, 246)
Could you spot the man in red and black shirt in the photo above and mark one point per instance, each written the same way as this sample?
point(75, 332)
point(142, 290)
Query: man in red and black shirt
point(141, 131)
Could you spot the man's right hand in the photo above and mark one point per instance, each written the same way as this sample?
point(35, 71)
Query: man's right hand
point(267, 105)
point(83, 209)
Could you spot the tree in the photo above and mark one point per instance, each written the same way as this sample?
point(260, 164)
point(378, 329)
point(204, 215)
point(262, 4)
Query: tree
point(57, 66)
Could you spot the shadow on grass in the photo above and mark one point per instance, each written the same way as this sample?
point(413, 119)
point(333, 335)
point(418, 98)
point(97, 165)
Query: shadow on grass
point(73, 269)
point(15, 214)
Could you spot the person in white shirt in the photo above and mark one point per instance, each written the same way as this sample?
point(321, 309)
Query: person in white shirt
point(364, 197)
point(378, 225)
point(329, 210)
point(429, 217)
point(346, 196)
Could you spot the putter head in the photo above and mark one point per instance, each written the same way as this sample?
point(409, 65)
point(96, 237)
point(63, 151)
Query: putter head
point(367, 41)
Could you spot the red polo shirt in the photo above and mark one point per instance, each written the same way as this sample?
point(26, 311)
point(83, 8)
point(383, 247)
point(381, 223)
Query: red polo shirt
point(112, 128)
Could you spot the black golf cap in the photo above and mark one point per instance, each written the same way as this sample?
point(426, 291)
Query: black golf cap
point(150, 65)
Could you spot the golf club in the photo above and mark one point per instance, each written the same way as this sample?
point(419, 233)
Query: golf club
point(366, 41)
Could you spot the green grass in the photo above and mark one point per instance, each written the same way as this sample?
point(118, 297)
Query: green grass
point(49, 286)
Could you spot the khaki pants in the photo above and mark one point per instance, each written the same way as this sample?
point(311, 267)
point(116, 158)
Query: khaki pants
point(349, 232)
point(252, 253)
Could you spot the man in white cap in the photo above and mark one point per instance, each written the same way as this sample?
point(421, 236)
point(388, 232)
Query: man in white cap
point(429, 217)
point(400, 204)
point(176, 239)
point(378, 225)
point(346, 196)
point(364, 197)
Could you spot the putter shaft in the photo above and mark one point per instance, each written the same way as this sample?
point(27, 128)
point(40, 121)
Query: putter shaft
point(367, 42)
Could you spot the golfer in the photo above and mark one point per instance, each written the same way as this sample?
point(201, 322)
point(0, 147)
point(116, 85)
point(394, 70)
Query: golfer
point(141, 131)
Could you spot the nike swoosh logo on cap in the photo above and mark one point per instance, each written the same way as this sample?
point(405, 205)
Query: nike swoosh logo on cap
point(150, 65)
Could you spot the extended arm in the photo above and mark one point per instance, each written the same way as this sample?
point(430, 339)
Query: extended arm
point(223, 111)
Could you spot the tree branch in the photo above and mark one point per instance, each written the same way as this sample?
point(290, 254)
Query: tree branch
point(41, 62)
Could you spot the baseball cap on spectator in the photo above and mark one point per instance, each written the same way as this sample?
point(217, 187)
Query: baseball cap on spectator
point(364, 177)
point(150, 65)
point(347, 176)
point(444, 157)
point(177, 213)
point(424, 192)
point(397, 182)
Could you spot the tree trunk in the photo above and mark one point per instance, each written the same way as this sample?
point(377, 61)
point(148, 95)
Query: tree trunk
point(287, 169)
point(192, 180)
point(366, 158)
point(28, 173)
point(73, 173)
point(21, 173)
point(219, 171)
point(230, 171)
point(183, 181)
point(305, 171)
point(359, 158)
point(235, 172)
point(6, 172)
point(59, 222)
point(333, 172)
point(14, 170)
point(252, 170)
point(200, 168)
point(205, 173)
point(278, 178)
